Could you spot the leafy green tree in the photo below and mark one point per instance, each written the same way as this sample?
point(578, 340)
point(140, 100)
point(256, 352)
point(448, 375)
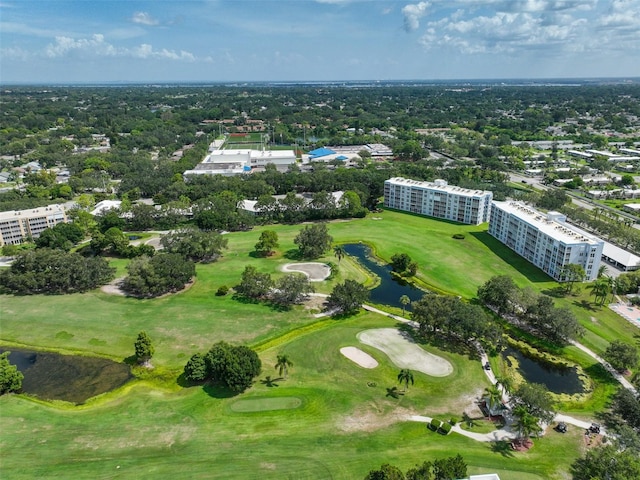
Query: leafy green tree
point(291, 289)
point(62, 236)
point(339, 252)
point(10, 377)
point(607, 462)
point(144, 348)
point(449, 468)
point(196, 368)
point(405, 376)
point(621, 355)
point(267, 243)
point(313, 241)
point(627, 406)
point(536, 400)
point(572, 273)
point(164, 273)
point(254, 285)
point(195, 244)
point(498, 292)
point(9, 250)
point(231, 366)
point(400, 262)
point(348, 297)
point(283, 364)
point(420, 472)
point(385, 472)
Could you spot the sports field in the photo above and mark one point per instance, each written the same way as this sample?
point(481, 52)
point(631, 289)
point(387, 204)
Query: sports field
point(324, 421)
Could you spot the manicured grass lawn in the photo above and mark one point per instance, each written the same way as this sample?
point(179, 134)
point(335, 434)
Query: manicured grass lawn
point(341, 429)
point(324, 421)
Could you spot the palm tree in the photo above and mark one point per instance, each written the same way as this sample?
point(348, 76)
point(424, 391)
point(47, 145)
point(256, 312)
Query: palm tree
point(404, 301)
point(405, 376)
point(494, 396)
point(339, 252)
point(283, 364)
point(526, 423)
point(506, 383)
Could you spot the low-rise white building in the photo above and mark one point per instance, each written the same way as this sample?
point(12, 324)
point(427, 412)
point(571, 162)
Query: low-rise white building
point(438, 199)
point(18, 225)
point(236, 162)
point(545, 239)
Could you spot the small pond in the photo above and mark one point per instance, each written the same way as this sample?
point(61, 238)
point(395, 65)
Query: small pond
point(389, 291)
point(556, 379)
point(72, 378)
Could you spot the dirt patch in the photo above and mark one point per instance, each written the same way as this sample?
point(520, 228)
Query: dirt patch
point(360, 358)
point(368, 420)
point(113, 287)
point(315, 271)
point(404, 352)
point(315, 303)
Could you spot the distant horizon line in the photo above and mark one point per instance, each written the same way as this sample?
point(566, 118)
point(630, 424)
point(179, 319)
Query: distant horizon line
point(373, 82)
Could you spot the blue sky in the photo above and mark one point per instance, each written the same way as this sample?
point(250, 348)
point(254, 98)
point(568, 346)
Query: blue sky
point(47, 41)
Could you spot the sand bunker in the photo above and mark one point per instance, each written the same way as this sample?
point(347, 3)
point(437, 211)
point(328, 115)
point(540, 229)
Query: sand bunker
point(359, 357)
point(315, 272)
point(404, 353)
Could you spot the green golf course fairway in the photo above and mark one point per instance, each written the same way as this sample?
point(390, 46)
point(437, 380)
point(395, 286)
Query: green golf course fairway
point(323, 421)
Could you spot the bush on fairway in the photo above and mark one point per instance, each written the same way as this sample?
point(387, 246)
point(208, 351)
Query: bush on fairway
point(151, 277)
point(230, 366)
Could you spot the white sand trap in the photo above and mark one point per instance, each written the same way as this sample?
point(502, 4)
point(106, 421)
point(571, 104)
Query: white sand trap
point(404, 353)
point(315, 271)
point(359, 357)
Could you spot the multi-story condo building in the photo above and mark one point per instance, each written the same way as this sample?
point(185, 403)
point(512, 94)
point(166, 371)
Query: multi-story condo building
point(545, 239)
point(438, 199)
point(18, 225)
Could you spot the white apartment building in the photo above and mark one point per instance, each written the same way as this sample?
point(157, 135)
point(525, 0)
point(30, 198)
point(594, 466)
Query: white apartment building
point(545, 239)
point(18, 225)
point(438, 199)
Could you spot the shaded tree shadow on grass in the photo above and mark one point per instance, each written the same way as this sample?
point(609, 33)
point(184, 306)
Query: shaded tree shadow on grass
point(555, 292)
point(531, 272)
point(131, 360)
point(270, 382)
point(586, 304)
point(503, 448)
point(293, 254)
point(246, 300)
point(218, 391)
point(393, 392)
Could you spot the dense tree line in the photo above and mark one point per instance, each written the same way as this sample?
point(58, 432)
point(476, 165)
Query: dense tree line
point(447, 316)
point(531, 309)
point(44, 270)
point(449, 468)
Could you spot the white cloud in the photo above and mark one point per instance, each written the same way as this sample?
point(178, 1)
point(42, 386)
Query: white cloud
point(96, 46)
point(143, 18)
point(412, 15)
point(14, 52)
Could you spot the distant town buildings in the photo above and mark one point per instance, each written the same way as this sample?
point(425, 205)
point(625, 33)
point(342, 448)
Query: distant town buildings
point(18, 225)
point(438, 199)
point(545, 239)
